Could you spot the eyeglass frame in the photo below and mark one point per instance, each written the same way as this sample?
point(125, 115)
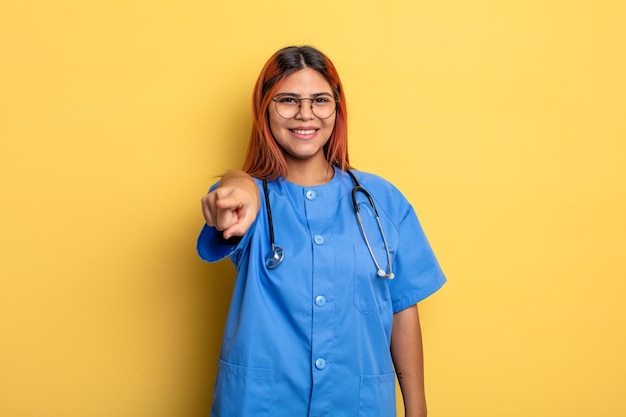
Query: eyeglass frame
point(275, 100)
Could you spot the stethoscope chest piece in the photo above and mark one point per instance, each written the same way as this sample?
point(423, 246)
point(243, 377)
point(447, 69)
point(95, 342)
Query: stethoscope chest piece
point(274, 257)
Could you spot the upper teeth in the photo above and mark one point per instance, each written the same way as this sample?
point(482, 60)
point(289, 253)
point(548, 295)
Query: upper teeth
point(303, 132)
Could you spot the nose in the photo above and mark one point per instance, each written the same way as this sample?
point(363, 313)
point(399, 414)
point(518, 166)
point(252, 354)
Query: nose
point(306, 109)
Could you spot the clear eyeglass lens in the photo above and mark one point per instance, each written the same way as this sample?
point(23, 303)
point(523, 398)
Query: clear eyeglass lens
point(289, 106)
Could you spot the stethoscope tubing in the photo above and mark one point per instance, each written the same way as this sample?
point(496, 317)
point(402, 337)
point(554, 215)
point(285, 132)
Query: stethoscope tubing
point(276, 254)
point(359, 189)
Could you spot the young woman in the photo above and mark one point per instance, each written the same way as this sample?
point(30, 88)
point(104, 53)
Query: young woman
point(330, 262)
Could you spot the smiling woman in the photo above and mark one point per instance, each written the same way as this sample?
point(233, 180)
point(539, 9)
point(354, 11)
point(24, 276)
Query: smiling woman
point(317, 325)
point(265, 159)
point(501, 121)
point(303, 136)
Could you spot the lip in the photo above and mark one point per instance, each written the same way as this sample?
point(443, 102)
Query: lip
point(304, 132)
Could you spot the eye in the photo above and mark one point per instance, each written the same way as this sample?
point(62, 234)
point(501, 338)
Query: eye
point(322, 100)
point(287, 100)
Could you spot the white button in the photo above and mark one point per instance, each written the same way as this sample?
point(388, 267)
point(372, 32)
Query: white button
point(320, 363)
point(310, 195)
point(320, 300)
point(319, 239)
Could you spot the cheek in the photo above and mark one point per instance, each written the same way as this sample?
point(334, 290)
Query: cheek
point(330, 126)
point(274, 125)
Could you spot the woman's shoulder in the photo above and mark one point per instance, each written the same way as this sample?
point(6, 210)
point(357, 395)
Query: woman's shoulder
point(375, 182)
point(383, 191)
point(389, 199)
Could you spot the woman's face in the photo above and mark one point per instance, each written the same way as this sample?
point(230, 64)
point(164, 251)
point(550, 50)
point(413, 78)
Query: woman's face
point(302, 137)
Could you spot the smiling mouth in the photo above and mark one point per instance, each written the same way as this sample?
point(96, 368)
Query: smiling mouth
point(303, 131)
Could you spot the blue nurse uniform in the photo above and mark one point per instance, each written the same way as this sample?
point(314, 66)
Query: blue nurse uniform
point(311, 337)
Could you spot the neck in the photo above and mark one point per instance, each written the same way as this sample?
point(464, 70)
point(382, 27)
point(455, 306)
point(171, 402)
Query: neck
point(310, 174)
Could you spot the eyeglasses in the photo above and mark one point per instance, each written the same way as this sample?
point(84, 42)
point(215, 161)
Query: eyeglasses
point(288, 106)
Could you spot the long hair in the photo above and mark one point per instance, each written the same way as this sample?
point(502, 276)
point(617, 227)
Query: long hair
point(265, 159)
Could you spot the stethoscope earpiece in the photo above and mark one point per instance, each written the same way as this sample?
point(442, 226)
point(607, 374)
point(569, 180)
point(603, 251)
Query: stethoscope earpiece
point(383, 274)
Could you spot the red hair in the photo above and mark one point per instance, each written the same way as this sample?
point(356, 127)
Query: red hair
point(265, 159)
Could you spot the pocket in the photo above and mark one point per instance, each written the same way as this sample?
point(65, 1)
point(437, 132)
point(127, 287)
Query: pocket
point(378, 396)
point(242, 391)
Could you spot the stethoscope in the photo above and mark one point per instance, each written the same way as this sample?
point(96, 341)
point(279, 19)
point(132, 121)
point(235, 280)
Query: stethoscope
point(276, 254)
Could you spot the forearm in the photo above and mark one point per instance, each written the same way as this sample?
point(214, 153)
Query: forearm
point(239, 179)
point(407, 354)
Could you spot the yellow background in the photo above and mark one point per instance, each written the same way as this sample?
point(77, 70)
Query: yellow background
point(502, 121)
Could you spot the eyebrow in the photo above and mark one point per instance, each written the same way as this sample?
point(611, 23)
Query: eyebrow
point(299, 96)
